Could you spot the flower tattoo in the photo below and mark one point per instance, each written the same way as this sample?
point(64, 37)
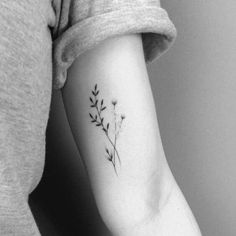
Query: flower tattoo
point(97, 117)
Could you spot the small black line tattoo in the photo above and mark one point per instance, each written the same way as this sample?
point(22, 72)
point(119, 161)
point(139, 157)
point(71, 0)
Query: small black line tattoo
point(97, 118)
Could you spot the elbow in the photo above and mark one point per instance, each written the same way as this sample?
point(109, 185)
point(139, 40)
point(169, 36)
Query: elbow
point(136, 206)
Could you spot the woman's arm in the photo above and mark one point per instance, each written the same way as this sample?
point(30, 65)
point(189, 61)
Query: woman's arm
point(111, 112)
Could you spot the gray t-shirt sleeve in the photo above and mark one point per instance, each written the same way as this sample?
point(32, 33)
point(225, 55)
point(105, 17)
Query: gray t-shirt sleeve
point(82, 24)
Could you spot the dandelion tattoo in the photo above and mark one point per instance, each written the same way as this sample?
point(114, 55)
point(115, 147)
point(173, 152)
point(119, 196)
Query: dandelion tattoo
point(97, 118)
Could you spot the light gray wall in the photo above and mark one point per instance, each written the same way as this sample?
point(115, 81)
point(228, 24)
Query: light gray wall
point(194, 86)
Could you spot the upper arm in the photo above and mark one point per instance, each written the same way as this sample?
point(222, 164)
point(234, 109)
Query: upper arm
point(135, 191)
point(133, 165)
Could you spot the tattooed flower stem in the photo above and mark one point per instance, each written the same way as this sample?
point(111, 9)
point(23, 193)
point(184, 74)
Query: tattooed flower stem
point(106, 133)
point(114, 106)
point(114, 165)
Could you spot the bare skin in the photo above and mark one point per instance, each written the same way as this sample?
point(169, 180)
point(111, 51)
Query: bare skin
point(134, 189)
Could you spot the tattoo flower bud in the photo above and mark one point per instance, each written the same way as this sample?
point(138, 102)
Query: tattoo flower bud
point(114, 102)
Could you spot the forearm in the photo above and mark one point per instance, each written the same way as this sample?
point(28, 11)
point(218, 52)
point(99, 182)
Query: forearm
point(125, 160)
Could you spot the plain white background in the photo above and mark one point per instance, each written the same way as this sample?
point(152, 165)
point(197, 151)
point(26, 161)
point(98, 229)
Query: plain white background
point(194, 86)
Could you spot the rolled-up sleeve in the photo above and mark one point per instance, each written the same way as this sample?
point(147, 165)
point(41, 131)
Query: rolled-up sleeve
point(82, 24)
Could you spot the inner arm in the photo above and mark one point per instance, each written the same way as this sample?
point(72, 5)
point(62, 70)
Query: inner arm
point(111, 112)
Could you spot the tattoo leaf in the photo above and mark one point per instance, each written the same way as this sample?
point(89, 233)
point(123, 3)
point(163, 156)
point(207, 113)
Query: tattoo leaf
point(95, 87)
point(110, 157)
point(103, 108)
point(91, 115)
point(108, 126)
